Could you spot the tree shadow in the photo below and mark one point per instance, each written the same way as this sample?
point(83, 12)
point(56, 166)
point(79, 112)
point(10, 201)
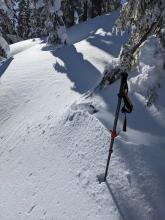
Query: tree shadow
point(144, 158)
point(146, 168)
point(108, 41)
point(81, 72)
point(146, 182)
point(99, 33)
point(143, 124)
point(83, 30)
point(5, 65)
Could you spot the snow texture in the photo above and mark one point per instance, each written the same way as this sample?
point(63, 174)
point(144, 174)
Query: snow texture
point(150, 71)
point(54, 140)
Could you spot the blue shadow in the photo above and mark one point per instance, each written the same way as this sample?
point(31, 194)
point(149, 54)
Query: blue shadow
point(81, 72)
point(5, 65)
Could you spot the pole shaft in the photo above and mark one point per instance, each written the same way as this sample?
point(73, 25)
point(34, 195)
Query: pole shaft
point(109, 158)
point(112, 139)
point(123, 79)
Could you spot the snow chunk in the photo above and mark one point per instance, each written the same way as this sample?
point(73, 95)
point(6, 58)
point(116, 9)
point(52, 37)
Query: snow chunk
point(23, 45)
point(103, 33)
point(149, 71)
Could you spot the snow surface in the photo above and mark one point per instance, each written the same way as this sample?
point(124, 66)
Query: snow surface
point(150, 71)
point(52, 145)
point(23, 45)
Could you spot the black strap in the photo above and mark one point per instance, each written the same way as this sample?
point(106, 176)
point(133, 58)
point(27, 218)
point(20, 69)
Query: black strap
point(125, 123)
point(128, 106)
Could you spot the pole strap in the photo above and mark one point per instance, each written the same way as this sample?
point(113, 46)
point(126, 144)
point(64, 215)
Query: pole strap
point(128, 106)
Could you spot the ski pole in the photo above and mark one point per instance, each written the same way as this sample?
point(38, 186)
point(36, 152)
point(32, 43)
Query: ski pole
point(113, 133)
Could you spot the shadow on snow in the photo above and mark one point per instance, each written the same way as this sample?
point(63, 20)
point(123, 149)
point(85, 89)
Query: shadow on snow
point(81, 72)
point(5, 65)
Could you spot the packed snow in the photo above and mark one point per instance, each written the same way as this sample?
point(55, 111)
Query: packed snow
point(53, 143)
point(150, 71)
point(23, 45)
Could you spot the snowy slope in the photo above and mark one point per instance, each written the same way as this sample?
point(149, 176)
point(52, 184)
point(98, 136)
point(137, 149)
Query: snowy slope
point(22, 46)
point(52, 147)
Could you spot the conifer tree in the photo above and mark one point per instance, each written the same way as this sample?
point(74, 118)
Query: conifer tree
point(4, 48)
point(7, 19)
point(146, 18)
point(143, 18)
point(38, 16)
point(49, 22)
point(23, 19)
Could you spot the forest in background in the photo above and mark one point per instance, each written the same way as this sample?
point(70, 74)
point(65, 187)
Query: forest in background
point(24, 19)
